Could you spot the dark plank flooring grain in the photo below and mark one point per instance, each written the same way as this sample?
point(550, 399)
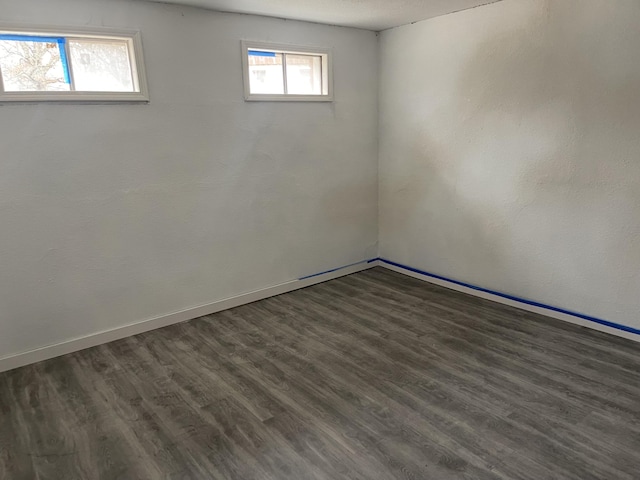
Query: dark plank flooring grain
point(370, 376)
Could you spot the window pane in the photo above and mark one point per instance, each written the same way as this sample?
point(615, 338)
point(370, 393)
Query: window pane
point(265, 72)
point(32, 66)
point(304, 74)
point(101, 65)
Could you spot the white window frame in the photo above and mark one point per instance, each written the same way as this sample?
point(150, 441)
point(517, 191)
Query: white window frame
point(327, 72)
point(136, 60)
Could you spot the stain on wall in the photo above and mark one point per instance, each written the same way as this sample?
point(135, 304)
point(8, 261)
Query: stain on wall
point(510, 154)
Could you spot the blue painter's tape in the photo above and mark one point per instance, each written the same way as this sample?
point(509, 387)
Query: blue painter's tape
point(29, 38)
point(338, 268)
point(64, 59)
point(517, 299)
point(61, 41)
point(258, 53)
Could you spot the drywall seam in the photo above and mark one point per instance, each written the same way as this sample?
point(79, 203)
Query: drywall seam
point(378, 136)
point(93, 340)
point(527, 305)
point(443, 15)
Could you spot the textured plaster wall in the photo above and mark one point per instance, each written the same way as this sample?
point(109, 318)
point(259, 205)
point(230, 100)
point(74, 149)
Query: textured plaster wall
point(510, 151)
point(113, 214)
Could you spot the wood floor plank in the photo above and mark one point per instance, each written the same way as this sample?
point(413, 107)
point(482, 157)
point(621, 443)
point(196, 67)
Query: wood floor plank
point(371, 376)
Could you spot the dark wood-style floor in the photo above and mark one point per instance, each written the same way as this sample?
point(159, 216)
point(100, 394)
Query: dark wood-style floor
point(371, 376)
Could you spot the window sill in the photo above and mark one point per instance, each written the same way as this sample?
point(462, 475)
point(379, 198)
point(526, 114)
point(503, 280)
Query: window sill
point(72, 97)
point(288, 98)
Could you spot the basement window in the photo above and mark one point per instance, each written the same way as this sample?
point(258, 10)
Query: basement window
point(46, 65)
point(286, 73)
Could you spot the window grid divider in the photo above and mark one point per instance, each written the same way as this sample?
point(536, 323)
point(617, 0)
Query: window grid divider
point(284, 73)
point(72, 81)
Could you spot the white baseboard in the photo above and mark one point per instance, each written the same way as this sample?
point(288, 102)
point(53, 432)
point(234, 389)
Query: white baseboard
point(88, 341)
point(513, 303)
point(80, 343)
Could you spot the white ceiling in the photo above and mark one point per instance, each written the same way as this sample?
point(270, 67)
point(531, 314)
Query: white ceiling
point(369, 14)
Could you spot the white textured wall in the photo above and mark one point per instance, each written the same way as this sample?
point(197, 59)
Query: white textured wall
point(510, 151)
point(112, 214)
